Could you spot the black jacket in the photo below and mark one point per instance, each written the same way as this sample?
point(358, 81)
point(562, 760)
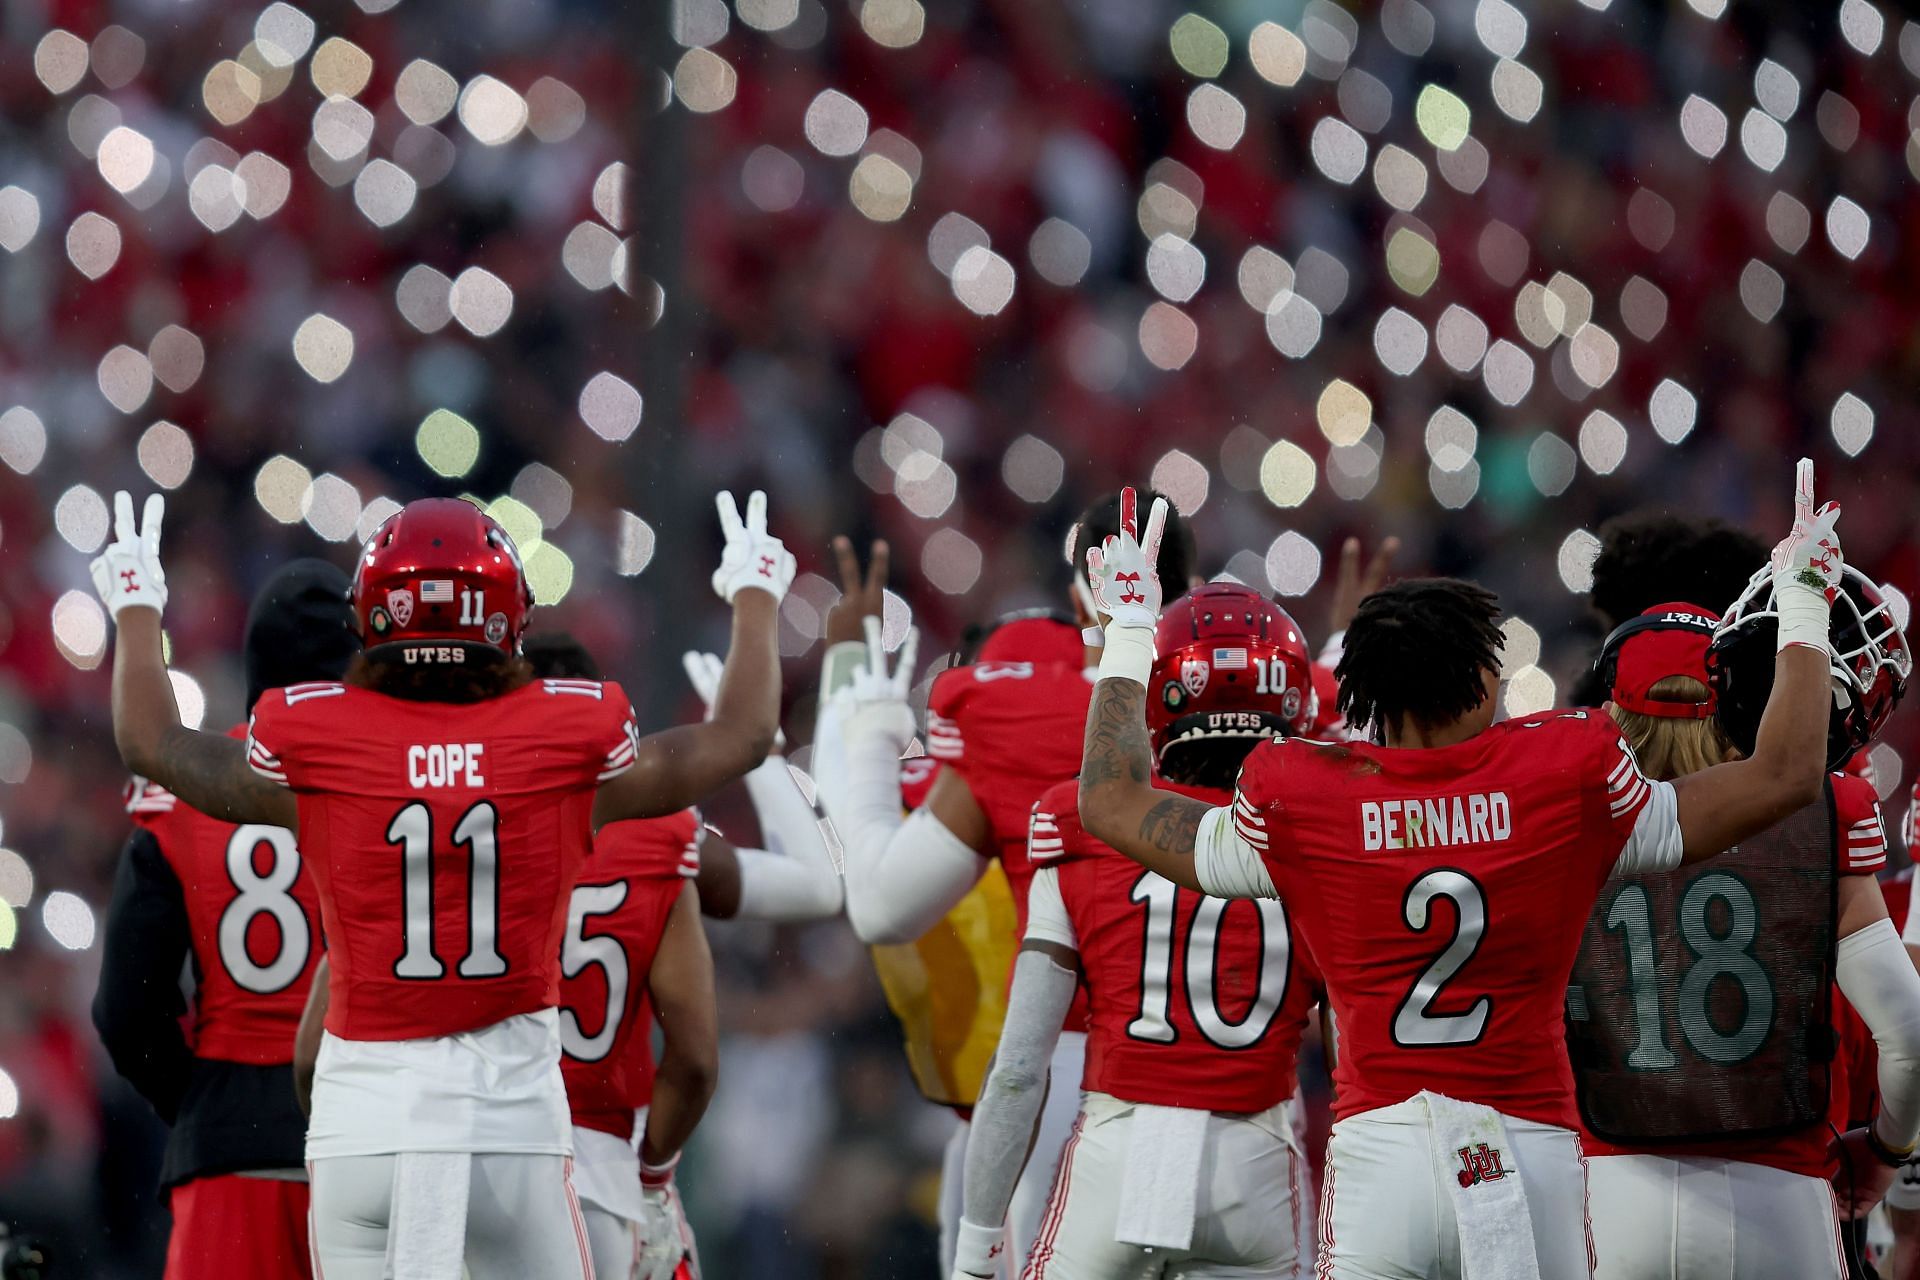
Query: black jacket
point(226, 1116)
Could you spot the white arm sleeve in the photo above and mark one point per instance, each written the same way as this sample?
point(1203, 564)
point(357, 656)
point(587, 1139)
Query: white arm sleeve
point(1010, 1101)
point(1224, 863)
point(1879, 980)
point(828, 764)
point(794, 877)
point(1656, 843)
point(1047, 918)
point(902, 875)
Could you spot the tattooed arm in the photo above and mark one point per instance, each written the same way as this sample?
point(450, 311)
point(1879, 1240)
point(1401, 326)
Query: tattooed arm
point(1118, 801)
point(207, 770)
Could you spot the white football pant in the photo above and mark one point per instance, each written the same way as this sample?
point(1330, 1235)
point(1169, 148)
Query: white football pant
point(1250, 1214)
point(1666, 1218)
point(522, 1218)
point(1030, 1193)
point(1384, 1214)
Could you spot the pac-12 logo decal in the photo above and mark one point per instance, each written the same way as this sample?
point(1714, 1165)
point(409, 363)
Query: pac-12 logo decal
point(1480, 1163)
point(1194, 673)
point(400, 605)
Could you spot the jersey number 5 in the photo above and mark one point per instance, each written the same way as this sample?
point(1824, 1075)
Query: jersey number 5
point(478, 829)
point(1413, 1026)
point(268, 895)
point(577, 952)
point(1161, 897)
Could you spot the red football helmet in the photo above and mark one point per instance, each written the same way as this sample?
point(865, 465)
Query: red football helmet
point(441, 570)
point(1230, 664)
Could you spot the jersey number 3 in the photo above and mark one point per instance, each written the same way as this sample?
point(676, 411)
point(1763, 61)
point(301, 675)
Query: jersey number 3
point(478, 829)
point(1413, 1026)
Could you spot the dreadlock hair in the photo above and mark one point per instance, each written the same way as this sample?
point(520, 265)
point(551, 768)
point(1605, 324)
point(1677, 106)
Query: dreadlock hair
point(1415, 652)
point(1648, 557)
point(556, 655)
point(1102, 521)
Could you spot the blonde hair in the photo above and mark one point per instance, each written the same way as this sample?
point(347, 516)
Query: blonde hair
point(1671, 747)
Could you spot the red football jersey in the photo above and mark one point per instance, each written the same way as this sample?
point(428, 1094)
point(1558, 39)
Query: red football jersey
point(614, 923)
point(1861, 851)
point(1191, 1001)
point(1011, 729)
point(444, 839)
point(255, 924)
point(1443, 893)
point(917, 776)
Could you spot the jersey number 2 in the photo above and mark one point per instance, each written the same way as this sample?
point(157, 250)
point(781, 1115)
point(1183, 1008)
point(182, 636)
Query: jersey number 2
point(1161, 897)
point(478, 829)
point(1413, 1026)
point(268, 895)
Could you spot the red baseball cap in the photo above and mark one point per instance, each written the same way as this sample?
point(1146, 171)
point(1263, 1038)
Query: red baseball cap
point(1666, 640)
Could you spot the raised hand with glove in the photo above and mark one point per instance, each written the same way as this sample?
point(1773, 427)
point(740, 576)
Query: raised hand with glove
point(1126, 589)
point(753, 558)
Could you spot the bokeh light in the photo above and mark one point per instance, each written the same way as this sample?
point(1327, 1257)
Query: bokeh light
point(610, 406)
point(67, 919)
point(1293, 564)
point(1287, 474)
point(1575, 561)
point(447, 443)
point(166, 455)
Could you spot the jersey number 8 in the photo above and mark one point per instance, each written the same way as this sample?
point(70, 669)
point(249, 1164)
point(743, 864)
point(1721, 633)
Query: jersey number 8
point(268, 895)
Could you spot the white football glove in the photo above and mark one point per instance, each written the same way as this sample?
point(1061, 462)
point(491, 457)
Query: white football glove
point(978, 1251)
point(128, 574)
point(1806, 566)
point(665, 1238)
point(875, 702)
point(1121, 574)
point(703, 673)
point(753, 557)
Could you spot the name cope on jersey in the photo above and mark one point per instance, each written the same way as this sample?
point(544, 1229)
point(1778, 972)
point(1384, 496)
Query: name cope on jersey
point(445, 764)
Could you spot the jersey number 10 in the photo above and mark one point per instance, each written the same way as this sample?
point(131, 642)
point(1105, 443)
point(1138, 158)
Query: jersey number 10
point(478, 829)
point(1161, 897)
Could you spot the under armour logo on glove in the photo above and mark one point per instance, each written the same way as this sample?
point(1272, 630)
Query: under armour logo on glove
point(128, 572)
point(1121, 571)
point(753, 557)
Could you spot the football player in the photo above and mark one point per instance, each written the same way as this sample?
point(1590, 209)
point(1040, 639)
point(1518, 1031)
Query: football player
point(233, 902)
point(1440, 876)
point(1004, 732)
point(1183, 1161)
point(444, 799)
point(1700, 1001)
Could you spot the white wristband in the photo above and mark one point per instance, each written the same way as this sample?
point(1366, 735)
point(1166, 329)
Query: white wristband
point(1128, 654)
point(1804, 615)
point(977, 1249)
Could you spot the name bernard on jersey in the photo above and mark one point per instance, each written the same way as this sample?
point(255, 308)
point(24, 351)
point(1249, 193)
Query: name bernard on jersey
point(1481, 817)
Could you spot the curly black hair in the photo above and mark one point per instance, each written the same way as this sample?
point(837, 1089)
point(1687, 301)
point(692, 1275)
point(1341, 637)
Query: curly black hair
point(1650, 557)
point(1101, 521)
point(1416, 651)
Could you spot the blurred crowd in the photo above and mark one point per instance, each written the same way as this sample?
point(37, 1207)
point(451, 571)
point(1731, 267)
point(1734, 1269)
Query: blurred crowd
point(1475, 275)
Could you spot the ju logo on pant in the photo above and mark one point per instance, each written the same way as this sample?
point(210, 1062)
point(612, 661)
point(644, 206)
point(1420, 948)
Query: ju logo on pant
point(1479, 1164)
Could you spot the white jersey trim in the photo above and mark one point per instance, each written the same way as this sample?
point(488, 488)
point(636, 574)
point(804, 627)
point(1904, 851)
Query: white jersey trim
point(1656, 843)
point(1047, 918)
point(1224, 862)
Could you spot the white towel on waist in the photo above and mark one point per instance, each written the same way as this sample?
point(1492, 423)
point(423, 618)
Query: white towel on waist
point(1160, 1185)
point(428, 1240)
point(1473, 1157)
